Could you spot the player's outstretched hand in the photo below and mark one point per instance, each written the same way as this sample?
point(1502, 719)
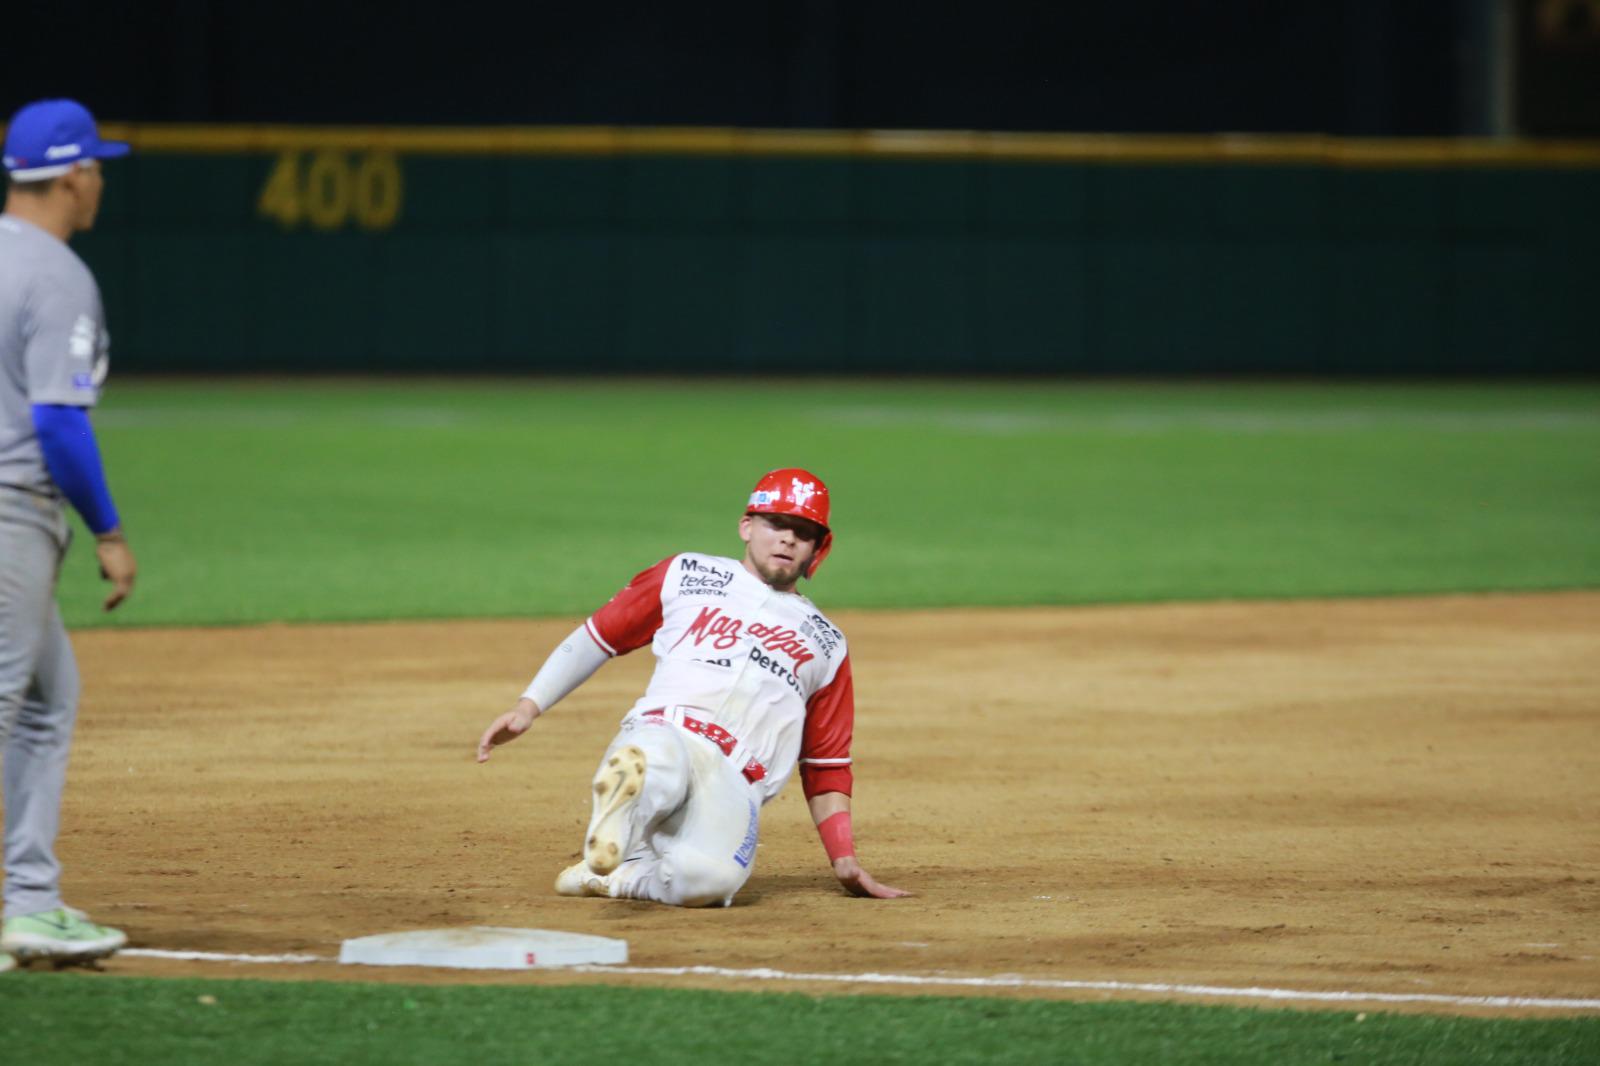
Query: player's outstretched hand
point(507, 727)
point(858, 882)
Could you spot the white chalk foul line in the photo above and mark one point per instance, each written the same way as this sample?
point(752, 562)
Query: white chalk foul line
point(1003, 981)
point(215, 956)
point(1508, 1002)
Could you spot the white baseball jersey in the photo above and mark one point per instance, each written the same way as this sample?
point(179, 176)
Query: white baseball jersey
point(760, 673)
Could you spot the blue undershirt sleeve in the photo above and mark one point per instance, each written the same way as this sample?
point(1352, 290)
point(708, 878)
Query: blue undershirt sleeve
point(73, 459)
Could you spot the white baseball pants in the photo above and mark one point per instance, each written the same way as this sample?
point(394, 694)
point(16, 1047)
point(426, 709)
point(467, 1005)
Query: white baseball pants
point(694, 829)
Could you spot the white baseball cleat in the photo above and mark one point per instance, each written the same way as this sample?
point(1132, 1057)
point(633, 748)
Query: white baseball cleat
point(617, 788)
point(579, 880)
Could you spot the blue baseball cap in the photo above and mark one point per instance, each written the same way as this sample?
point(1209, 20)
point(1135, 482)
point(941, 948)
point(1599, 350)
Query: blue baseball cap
point(50, 137)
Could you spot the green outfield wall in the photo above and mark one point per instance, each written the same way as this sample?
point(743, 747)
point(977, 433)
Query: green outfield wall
point(280, 249)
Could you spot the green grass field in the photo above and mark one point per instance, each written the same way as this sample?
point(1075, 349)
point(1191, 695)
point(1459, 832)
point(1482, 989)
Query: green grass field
point(263, 1022)
point(301, 502)
point(254, 501)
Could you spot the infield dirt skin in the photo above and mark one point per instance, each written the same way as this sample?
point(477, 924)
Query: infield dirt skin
point(1392, 795)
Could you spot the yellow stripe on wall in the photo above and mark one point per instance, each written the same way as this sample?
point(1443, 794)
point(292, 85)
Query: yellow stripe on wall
point(878, 144)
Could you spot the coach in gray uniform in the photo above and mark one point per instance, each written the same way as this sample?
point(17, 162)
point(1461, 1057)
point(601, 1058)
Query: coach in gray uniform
point(53, 353)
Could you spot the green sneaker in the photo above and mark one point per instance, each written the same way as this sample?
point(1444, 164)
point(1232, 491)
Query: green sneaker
point(63, 934)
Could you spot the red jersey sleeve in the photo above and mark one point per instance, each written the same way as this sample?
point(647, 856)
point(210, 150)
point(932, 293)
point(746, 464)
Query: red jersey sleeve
point(825, 743)
point(631, 617)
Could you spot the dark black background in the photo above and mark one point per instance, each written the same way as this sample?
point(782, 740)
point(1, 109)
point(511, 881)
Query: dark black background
point(1351, 67)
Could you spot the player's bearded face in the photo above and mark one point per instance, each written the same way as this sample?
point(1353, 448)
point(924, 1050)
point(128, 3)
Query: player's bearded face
point(778, 547)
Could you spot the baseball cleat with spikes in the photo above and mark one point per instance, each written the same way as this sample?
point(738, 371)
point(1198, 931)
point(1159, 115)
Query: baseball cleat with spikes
point(617, 788)
point(579, 880)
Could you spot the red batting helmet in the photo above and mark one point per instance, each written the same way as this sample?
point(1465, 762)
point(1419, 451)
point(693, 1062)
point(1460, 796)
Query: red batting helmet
point(795, 492)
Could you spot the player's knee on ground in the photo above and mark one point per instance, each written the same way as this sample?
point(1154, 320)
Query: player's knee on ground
point(696, 879)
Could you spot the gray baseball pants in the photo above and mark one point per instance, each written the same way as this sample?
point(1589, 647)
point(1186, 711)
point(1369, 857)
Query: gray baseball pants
point(38, 696)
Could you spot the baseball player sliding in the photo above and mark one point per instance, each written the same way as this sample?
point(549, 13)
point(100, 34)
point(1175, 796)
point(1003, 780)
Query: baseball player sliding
point(750, 681)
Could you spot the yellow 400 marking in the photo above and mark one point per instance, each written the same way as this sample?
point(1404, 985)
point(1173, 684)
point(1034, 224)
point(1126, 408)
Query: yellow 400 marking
point(326, 191)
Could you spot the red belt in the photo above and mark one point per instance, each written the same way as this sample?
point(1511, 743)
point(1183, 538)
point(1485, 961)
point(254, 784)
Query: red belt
point(719, 736)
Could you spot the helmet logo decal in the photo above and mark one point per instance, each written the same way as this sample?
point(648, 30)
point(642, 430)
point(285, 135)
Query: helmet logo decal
point(801, 494)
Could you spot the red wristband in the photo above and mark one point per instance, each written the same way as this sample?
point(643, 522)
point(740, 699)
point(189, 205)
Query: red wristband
point(837, 837)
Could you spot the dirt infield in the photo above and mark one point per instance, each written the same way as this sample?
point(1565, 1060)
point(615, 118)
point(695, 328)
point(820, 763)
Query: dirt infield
point(1372, 795)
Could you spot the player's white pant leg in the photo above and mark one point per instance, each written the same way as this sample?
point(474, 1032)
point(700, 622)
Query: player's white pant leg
point(702, 853)
point(666, 777)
